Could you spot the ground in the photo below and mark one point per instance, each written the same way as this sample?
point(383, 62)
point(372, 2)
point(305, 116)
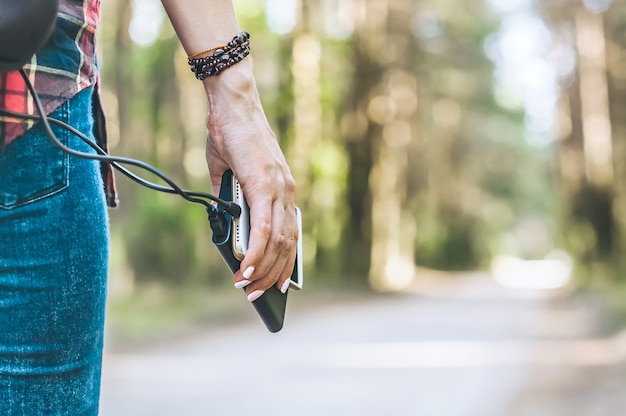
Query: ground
point(457, 347)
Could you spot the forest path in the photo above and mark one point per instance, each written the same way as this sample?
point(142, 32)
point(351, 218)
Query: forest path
point(461, 347)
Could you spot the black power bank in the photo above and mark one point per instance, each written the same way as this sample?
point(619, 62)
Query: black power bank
point(272, 304)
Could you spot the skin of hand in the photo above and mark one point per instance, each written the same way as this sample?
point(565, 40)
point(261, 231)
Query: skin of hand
point(240, 138)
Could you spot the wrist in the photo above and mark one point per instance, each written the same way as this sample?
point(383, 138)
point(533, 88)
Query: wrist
point(239, 76)
point(233, 88)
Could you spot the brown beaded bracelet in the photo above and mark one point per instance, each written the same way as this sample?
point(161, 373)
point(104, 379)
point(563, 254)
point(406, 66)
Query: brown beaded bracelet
point(222, 57)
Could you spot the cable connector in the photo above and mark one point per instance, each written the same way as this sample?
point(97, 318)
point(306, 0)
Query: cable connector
point(233, 209)
point(218, 222)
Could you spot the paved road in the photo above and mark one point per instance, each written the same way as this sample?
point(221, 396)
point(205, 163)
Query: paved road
point(465, 349)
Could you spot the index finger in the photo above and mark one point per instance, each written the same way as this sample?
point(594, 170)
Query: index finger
point(260, 231)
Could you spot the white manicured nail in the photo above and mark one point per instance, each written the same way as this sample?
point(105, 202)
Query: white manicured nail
point(255, 295)
point(242, 283)
point(248, 272)
point(285, 286)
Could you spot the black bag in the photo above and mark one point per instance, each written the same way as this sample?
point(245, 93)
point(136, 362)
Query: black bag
point(25, 26)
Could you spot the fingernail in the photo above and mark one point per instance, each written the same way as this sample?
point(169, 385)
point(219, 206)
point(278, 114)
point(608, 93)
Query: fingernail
point(242, 283)
point(255, 295)
point(285, 286)
point(248, 272)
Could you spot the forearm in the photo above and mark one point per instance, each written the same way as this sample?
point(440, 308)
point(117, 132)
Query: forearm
point(202, 24)
point(205, 24)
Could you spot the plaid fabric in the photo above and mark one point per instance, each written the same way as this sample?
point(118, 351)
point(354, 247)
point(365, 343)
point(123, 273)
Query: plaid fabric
point(65, 66)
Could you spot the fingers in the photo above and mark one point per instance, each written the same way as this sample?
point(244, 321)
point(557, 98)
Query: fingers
point(269, 189)
point(271, 257)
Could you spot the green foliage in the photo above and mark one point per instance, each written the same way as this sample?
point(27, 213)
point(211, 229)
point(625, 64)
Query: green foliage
point(472, 180)
point(160, 240)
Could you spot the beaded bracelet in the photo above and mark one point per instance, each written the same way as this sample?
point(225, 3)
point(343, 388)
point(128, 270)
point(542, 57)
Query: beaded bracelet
point(222, 57)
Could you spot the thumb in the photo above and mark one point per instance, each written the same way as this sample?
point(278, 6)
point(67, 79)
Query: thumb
point(217, 166)
point(216, 182)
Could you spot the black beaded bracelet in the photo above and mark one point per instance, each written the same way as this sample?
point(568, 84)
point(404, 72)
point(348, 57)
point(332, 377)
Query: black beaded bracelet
point(221, 58)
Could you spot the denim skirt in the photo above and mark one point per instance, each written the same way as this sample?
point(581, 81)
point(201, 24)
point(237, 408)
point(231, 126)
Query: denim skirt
point(53, 271)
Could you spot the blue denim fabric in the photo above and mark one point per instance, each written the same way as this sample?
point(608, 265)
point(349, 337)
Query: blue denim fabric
point(53, 269)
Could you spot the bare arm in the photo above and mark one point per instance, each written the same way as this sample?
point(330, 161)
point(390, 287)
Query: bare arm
point(201, 24)
point(240, 138)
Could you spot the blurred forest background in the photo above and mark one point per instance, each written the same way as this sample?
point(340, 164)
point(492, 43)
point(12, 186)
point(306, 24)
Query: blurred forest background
point(423, 134)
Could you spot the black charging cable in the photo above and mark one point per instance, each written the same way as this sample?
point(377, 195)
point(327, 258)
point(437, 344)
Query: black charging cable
point(118, 161)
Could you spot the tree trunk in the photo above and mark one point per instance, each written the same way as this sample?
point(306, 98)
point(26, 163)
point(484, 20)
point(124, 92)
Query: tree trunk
point(380, 226)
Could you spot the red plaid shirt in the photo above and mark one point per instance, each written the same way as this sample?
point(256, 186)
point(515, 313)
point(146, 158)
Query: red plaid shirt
point(63, 67)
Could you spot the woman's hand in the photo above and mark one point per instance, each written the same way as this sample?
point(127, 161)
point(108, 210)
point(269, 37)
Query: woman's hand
point(240, 138)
